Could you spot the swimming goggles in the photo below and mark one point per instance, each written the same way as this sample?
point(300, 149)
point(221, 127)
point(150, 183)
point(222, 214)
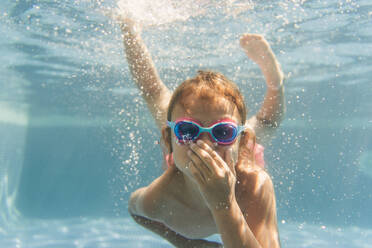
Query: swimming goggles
point(224, 132)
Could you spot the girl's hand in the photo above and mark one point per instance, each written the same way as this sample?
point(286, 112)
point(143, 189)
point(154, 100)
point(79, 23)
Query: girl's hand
point(258, 49)
point(125, 19)
point(129, 25)
point(214, 175)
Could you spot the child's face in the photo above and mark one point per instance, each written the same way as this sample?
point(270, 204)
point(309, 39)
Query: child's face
point(206, 114)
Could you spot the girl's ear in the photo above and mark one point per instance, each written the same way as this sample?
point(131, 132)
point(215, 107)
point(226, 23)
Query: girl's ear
point(166, 138)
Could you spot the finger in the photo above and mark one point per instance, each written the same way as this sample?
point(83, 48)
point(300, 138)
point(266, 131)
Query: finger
point(212, 153)
point(230, 160)
point(229, 157)
point(199, 164)
point(195, 173)
point(246, 38)
point(205, 156)
point(221, 164)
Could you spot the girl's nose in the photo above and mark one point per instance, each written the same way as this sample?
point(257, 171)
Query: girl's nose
point(206, 137)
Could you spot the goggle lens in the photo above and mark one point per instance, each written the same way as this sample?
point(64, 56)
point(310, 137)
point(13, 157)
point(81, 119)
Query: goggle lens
point(224, 132)
point(186, 131)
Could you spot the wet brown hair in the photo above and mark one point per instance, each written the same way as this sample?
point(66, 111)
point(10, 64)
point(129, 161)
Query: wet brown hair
point(208, 85)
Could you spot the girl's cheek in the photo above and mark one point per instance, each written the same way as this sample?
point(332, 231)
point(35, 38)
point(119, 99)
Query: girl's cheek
point(180, 151)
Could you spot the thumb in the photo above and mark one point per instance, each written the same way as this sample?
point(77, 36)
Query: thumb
point(246, 147)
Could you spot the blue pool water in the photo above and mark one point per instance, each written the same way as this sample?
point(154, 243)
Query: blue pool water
point(76, 137)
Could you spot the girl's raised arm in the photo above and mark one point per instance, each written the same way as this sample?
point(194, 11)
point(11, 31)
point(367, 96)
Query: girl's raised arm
point(144, 73)
point(272, 110)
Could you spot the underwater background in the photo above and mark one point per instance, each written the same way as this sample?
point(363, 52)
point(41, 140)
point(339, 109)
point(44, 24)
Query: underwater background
point(76, 137)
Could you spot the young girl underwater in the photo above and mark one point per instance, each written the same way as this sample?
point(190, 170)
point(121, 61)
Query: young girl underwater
point(212, 183)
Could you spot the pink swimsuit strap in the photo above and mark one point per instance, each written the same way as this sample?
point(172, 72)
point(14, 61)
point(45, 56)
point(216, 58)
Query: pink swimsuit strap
point(258, 154)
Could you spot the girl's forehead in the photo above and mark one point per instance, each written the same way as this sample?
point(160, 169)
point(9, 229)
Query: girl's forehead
point(205, 111)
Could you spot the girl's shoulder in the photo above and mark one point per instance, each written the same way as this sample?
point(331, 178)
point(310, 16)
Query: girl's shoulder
point(253, 181)
point(255, 195)
point(157, 195)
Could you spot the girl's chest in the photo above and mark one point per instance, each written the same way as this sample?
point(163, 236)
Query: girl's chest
point(189, 222)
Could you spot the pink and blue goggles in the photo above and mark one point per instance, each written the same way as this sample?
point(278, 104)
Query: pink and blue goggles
point(224, 132)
